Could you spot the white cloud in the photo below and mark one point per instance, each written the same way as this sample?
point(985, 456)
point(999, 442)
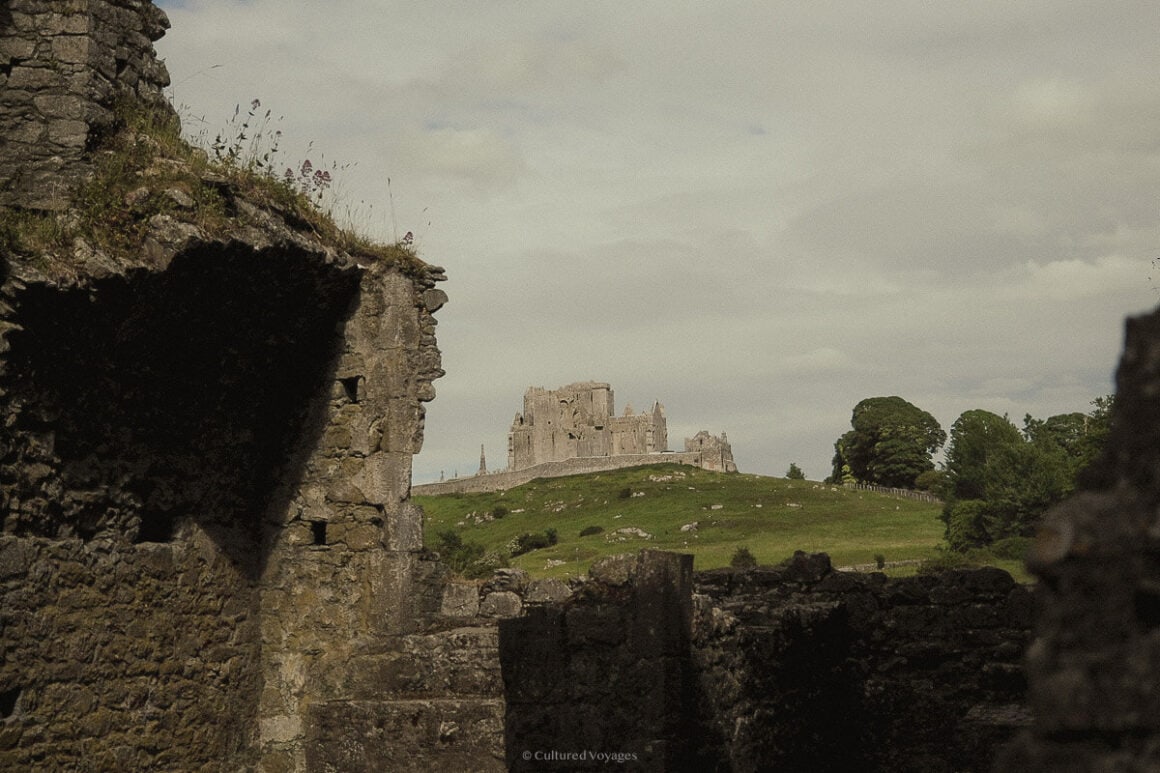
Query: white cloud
point(757, 213)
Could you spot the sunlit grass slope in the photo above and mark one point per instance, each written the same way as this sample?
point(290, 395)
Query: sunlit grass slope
point(772, 517)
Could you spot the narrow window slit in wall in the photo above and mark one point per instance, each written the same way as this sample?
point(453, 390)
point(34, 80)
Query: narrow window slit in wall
point(318, 529)
point(8, 701)
point(156, 527)
point(350, 386)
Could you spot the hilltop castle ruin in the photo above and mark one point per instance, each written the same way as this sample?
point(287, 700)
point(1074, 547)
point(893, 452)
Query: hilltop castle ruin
point(579, 420)
point(574, 429)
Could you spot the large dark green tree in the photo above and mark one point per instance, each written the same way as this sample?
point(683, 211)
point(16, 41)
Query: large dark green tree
point(1000, 481)
point(890, 444)
point(976, 437)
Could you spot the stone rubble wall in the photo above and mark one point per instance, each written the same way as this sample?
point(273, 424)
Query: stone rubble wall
point(125, 658)
point(63, 66)
point(345, 575)
point(796, 667)
point(502, 481)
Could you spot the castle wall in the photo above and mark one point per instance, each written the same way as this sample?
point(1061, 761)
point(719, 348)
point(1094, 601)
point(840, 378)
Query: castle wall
point(502, 481)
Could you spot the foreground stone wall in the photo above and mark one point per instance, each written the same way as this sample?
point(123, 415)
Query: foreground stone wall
point(344, 574)
point(118, 657)
point(804, 668)
point(208, 429)
point(796, 667)
point(206, 530)
point(1094, 667)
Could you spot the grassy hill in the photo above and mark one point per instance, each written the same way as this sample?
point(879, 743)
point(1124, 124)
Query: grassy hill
point(648, 506)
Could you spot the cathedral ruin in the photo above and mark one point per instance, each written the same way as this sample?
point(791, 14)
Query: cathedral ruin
point(580, 420)
point(574, 430)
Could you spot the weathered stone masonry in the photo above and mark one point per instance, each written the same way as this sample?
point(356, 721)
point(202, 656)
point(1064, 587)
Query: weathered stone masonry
point(206, 449)
point(63, 67)
point(794, 668)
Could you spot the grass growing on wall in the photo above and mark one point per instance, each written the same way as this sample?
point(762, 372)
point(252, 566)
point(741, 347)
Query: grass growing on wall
point(772, 517)
point(143, 168)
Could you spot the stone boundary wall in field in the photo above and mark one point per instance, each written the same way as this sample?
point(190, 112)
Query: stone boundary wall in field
point(502, 481)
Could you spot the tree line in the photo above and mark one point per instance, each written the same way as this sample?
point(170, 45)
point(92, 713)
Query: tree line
point(996, 481)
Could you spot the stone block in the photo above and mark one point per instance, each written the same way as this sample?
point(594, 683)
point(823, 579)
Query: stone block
point(16, 556)
point(32, 78)
point(385, 478)
point(548, 590)
point(356, 536)
point(72, 49)
point(614, 570)
point(404, 528)
point(279, 729)
point(500, 604)
point(460, 600)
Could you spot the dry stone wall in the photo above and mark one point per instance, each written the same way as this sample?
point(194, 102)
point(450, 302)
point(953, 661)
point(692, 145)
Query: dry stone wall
point(796, 667)
point(123, 657)
point(502, 481)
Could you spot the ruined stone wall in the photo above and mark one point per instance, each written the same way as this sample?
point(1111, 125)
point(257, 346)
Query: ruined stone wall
point(208, 425)
point(1094, 666)
point(716, 452)
point(118, 657)
point(204, 486)
point(796, 667)
point(502, 481)
point(63, 66)
point(578, 420)
point(344, 575)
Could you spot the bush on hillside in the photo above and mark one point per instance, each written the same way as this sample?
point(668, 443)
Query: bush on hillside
point(743, 559)
point(525, 543)
point(588, 531)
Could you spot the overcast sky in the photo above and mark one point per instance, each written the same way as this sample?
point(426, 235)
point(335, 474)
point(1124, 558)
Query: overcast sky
point(758, 213)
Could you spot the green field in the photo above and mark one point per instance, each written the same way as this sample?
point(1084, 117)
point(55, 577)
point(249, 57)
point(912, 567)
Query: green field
point(772, 517)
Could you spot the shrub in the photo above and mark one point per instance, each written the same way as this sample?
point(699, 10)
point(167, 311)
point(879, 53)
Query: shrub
point(552, 535)
point(525, 543)
point(625, 493)
point(499, 511)
point(456, 553)
point(794, 472)
point(965, 524)
point(588, 531)
point(945, 561)
point(879, 560)
point(931, 480)
point(484, 567)
point(1011, 548)
point(743, 559)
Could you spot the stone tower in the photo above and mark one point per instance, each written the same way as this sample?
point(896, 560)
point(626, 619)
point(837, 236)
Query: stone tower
point(64, 69)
